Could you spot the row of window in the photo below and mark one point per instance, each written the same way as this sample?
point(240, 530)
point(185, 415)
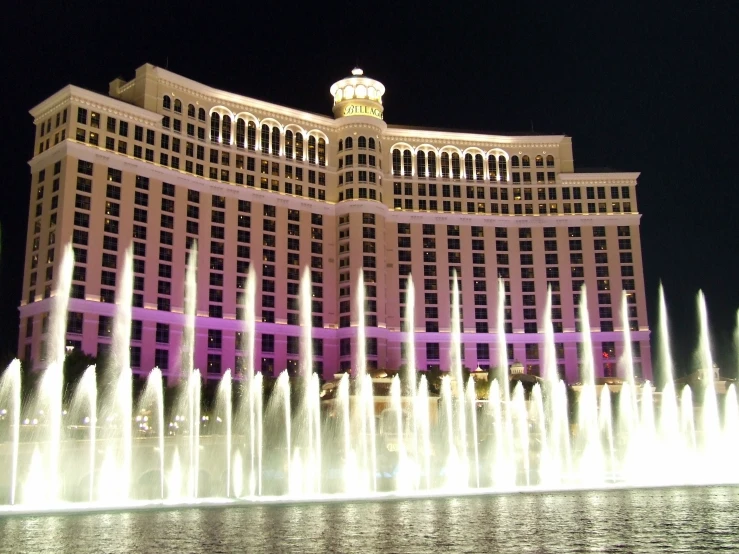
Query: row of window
point(295, 144)
point(426, 165)
point(363, 143)
point(479, 192)
point(495, 208)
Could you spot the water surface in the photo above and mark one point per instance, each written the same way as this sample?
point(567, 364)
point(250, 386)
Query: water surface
point(656, 520)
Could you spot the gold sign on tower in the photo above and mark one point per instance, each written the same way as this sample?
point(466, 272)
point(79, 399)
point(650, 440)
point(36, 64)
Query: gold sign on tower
point(358, 95)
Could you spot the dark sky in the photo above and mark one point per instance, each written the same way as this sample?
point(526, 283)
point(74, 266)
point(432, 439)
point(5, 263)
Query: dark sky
point(639, 88)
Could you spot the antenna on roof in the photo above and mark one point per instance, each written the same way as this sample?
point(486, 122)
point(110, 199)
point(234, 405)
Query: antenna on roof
point(532, 125)
point(166, 64)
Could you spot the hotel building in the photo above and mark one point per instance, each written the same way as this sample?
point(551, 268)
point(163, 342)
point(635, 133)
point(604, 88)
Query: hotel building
point(163, 161)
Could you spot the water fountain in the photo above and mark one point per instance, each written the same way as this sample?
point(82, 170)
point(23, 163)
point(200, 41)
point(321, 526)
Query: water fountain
point(345, 439)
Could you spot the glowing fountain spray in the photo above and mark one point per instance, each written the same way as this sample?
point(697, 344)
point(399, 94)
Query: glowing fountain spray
point(504, 471)
point(88, 388)
point(591, 459)
point(422, 417)
point(551, 458)
point(52, 383)
point(250, 408)
point(456, 359)
point(225, 401)
point(628, 413)
point(410, 350)
point(190, 373)
point(121, 369)
point(310, 386)
point(154, 395)
point(343, 401)
point(411, 368)
point(472, 405)
point(193, 418)
point(405, 475)
point(191, 291)
point(708, 455)
point(10, 394)
point(366, 412)
point(710, 419)
point(669, 418)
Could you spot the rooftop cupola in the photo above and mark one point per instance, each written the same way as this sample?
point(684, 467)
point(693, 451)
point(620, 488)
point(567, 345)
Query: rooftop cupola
point(358, 95)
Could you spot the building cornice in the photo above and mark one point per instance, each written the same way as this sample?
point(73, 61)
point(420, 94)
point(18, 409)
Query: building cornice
point(409, 134)
point(100, 102)
point(238, 102)
point(621, 177)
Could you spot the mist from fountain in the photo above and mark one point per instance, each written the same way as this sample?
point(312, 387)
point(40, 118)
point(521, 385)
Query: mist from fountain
point(310, 442)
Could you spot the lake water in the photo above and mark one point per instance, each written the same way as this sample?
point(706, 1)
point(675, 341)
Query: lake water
point(656, 520)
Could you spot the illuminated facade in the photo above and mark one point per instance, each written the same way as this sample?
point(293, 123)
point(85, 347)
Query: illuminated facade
point(163, 161)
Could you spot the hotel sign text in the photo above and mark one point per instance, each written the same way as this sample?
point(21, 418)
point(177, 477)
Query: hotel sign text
point(359, 109)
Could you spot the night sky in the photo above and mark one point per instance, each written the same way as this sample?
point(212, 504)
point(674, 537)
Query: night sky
point(638, 89)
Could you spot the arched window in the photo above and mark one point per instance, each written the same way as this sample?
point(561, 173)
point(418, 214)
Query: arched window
point(251, 136)
point(396, 162)
point(445, 165)
point(201, 114)
point(362, 142)
point(215, 126)
point(226, 130)
point(289, 145)
point(432, 164)
point(321, 152)
point(178, 106)
point(349, 144)
point(479, 167)
point(407, 163)
point(455, 166)
point(469, 171)
point(265, 138)
point(421, 163)
point(341, 145)
point(539, 161)
point(190, 111)
point(371, 143)
point(311, 149)
point(166, 102)
point(299, 147)
point(240, 132)
point(550, 161)
point(276, 141)
point(514, 161)
point(493, 166)
point(503, 169)
point(525, 161)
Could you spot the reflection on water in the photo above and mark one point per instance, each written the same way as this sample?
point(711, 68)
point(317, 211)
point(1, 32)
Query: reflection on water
point(661, 520)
